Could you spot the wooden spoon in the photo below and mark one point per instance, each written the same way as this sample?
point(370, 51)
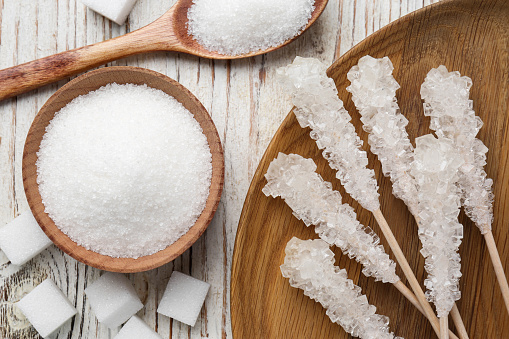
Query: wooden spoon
point(90, 82)
point(168, 33)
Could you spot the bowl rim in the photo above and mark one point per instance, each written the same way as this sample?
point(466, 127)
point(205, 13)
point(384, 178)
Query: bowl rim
point(82, 85)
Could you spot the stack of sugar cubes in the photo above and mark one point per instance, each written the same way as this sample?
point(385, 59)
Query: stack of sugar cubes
point(112, 297)
point(115, 10)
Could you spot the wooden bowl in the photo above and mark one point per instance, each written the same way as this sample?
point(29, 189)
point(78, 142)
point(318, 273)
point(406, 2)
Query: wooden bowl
point(92, 81)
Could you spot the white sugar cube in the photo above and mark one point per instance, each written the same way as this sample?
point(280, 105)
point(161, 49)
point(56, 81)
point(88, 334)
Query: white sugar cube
point(22, 239)
point(183, 298)
point(115, 10)
point(136, 328)
point(113, 299)
point(47, 308)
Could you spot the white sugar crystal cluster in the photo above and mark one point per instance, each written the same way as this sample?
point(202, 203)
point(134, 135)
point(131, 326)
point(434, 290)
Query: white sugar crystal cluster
point(310, 266)
point(435, 169)
point(318, 106)
point(313, 201)
point(446, 101)
point(373, 89)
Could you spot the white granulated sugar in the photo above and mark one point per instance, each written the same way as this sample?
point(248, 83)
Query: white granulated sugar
point(115, 10)
point(124, 171)
point(236, 27)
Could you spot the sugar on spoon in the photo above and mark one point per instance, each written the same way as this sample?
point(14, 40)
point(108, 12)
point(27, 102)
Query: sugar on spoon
point(168, 33)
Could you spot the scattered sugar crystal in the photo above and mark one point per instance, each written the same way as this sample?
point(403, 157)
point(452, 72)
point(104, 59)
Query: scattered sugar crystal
point(22, 239)
point(136, 328)
point(318, 107)
point(446, 101)
point(373, 91)
point(47, 308)
point(313, 201)
point(236, 27)
point(310, 266)
point(115, 10)
point(183, 298)
point(124, 171)
point(113, 299)
point(435, 168)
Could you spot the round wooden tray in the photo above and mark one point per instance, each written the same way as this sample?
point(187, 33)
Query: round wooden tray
point(92, 81)
point(468, 36)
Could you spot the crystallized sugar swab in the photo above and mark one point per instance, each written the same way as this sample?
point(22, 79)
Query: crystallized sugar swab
point(309, 265)
point(435, 169)
point(313, 201)
point(373, 91)
point(318, 107)
point(446, 101)
point(294, 179)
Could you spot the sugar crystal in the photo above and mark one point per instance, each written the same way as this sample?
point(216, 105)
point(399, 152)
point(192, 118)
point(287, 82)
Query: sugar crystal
point(113, 299)
point(435, 168)
point(183, 298)
point(373, 91)
point(446, 101)
point(317, 106)
point(47, 308)
point(313, 201)
point(22, 239)
point(309, 265)
point(136, 328)
point(124, 171)
point(241, 26)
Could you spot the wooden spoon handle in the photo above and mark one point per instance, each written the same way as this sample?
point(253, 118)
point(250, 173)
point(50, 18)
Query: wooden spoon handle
point(158, 36)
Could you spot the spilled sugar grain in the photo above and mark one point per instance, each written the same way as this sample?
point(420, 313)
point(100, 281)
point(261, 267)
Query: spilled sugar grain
point(124, 171)
point(236, 27)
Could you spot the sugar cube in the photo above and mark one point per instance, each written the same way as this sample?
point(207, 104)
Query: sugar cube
point(113, 299)
point(136, 328)
point(183, 298)
point(115, 10)
point(22, 239)
point(47, 308)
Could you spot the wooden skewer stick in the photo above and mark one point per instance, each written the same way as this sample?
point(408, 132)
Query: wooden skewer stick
point(458, 322)
point(497, 264)
point(407, 293)
point(407, 271)
point(444, 327)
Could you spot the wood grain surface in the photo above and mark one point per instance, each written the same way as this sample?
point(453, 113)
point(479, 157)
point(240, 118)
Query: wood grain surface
point(168, 33)
point(81, 86)
point(470, 36)
point(245, 103)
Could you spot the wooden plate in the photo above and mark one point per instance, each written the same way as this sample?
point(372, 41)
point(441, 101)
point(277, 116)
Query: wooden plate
point(468, 36)
point(92, 81)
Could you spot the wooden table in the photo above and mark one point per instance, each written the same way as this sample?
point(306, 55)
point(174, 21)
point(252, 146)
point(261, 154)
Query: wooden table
point(245, 102)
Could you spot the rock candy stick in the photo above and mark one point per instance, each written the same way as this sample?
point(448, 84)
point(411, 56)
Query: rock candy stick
point(318, 107)
point(309, 265)
point(435, 169)
point(312, 200)
point(373, 91)
point(446, 101)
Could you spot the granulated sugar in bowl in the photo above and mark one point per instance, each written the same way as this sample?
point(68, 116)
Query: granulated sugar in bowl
point(123, 171)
